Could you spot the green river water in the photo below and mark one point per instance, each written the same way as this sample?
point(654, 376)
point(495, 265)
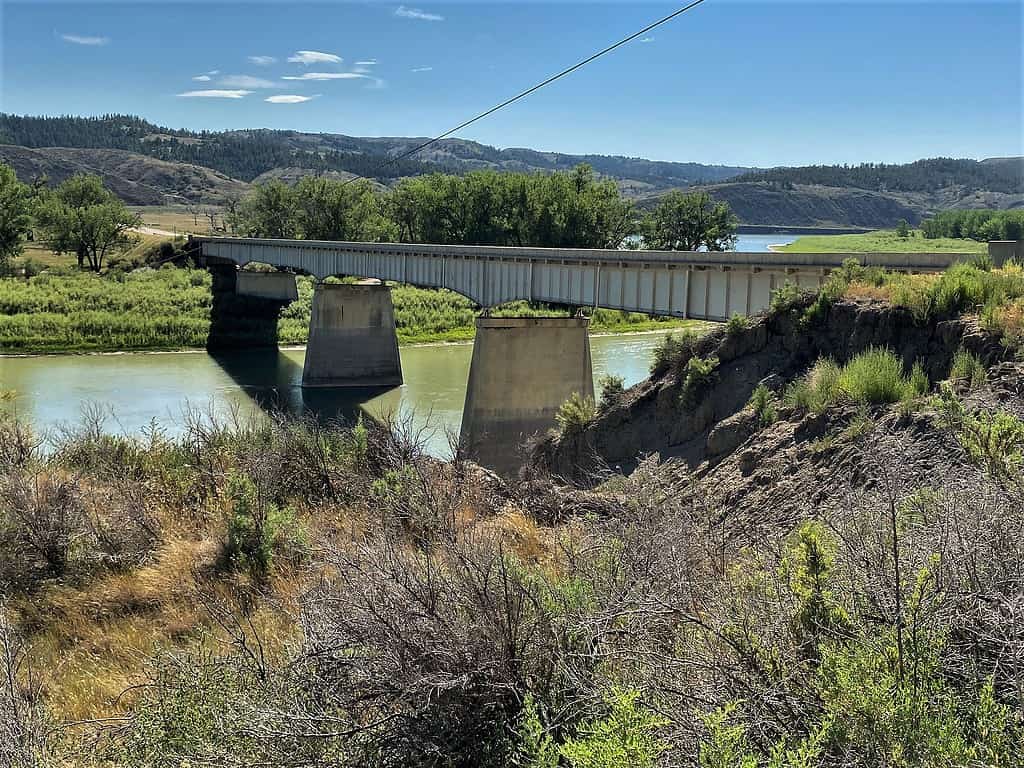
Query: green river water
point(134, 390)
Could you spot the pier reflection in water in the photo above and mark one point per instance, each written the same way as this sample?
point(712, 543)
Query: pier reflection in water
point(140, 388)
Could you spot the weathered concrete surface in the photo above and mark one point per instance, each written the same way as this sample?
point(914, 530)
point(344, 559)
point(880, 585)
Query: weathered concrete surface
point(238, 320)
point(523, 369)
point(352, 341)
point(276, 286)
point(1002, 251)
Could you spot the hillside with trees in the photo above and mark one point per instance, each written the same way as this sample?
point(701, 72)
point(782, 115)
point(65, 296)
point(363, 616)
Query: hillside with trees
point(997, 175)
point(246, 154)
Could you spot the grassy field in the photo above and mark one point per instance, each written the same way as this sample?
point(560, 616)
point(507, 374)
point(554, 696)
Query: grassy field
point(176, 218)
point(883, 240)
point(169, 308)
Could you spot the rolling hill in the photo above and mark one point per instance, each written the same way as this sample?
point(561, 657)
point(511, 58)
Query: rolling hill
point(147, 164)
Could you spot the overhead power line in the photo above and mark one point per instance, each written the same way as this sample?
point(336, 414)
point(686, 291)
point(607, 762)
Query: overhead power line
point(537, 87)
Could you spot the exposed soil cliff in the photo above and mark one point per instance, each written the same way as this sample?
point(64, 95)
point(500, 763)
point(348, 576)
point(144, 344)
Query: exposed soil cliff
point(655, 417)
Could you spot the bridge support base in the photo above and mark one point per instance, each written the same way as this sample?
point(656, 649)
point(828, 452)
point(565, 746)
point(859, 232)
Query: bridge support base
point(352, 341)
point(246, 307)
point(523, 369)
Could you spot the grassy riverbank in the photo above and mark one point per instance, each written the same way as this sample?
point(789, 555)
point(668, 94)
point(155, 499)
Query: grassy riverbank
point(882, 240)
point(169, 308)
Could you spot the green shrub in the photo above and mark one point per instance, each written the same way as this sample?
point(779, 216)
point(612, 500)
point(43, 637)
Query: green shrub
point(737, 324)
point(762, 401)
point(815, 391)
point(258, 530)
point(993, 439)
point(627, 735)
point(612, 390)
point(967, 368)
point(575, 414)
point(873, 377)
point(673, 353)
point(700, 375)
point(786, 298)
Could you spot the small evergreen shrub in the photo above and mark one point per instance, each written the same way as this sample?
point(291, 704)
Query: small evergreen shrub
point(873, 377)
point(673, 352)
point(699, 377)
point(612, 389)
point(762, 401)
point(786, 298)
point(258, 530)
point(575, 414)
point(737, 324)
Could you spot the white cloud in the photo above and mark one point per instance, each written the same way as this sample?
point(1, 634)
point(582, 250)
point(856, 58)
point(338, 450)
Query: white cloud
point(289, 99)
point(314, 57)
point(262, 61)
point(214, 94)
point(366, 63)
point(202, 78)
point(646, 39)
point(364, 67)
point(85, 39)
point(325, 76)
point(245, 81)
point(416, 13)
point(213, 72)
point(421, 69)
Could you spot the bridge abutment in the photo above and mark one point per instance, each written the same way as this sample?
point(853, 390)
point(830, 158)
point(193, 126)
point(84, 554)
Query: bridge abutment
point(523, 369)
point(352, 340)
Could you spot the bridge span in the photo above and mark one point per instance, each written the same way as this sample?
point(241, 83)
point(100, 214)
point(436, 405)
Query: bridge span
point(702, 286)
point(522, 369)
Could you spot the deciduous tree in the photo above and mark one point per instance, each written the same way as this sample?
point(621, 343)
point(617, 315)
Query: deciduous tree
point(84, 217)
point(15, 215)
point(690, 221)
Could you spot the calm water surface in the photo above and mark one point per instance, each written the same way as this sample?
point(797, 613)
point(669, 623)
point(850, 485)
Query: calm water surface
point(136, 389)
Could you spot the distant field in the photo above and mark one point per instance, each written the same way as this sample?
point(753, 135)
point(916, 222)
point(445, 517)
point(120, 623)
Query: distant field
point(175, 218)
point(41, 254)
point(884, 241)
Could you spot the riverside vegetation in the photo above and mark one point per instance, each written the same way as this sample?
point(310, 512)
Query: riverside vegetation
point(297, 593)
point(124, 307)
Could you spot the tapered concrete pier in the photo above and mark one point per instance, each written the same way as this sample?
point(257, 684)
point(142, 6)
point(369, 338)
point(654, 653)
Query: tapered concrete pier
point(352, 341)
point(273, 286)
point(523, 369)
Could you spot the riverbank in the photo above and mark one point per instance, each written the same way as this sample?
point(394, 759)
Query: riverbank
point(168, 309)
point(880, 241)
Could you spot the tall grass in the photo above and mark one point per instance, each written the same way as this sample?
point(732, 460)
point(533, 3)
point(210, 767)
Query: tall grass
point(875, 376)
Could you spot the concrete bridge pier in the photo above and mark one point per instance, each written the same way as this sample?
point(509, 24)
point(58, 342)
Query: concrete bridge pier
point(523, 369)
point(246, 306)
point(352, 341)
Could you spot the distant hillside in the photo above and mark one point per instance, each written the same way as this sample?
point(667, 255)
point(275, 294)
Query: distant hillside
point(1004, 174)
point(822, 206)
point(136, 179)
point(144, 162)
point(247, 154)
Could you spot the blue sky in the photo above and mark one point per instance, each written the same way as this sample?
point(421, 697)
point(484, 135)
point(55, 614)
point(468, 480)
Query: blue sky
point(750, 83)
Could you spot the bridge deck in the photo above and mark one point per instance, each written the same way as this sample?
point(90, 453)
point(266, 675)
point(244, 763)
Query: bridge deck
point(700, 285)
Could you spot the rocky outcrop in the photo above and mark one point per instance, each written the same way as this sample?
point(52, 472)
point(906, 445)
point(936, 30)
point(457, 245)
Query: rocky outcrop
point(774, 349)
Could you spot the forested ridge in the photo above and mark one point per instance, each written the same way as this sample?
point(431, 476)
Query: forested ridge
point(997, 175)
point(241, 155)
point(246, 154)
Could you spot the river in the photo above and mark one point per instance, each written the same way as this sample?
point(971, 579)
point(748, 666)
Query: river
point(136, 390)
